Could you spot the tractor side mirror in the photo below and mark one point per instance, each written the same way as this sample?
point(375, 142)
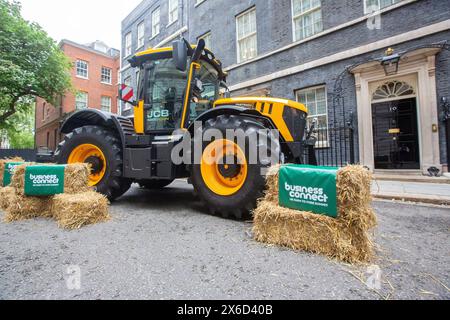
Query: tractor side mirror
point(198, 50)
point(126, 94)
point(180, 55)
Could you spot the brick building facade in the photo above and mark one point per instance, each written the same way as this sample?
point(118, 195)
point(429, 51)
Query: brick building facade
point(301, 49)
point(94, 77)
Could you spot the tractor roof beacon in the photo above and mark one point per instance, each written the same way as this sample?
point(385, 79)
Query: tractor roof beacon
point(180, 87)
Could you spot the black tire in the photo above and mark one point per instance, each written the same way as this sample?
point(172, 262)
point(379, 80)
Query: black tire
point(112, 185)
point(242, 203)
point(154, 184)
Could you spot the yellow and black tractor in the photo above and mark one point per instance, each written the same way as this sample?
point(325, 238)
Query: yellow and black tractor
point(180, 87)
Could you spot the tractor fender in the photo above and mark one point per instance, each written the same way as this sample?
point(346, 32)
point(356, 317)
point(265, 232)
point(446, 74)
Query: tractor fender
point(234, 111)
point(291, 150)
point(93, 117)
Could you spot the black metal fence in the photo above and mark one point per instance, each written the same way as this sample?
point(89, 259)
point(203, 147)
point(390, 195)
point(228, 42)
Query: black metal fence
point(335, 147)
point(335, 142)
point(26, 154)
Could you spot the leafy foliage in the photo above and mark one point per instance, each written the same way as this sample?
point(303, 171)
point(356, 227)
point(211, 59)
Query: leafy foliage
point(31, 64)
point(22, 136)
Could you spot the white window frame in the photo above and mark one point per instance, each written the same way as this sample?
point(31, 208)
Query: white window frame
point(299, 16)
point(103, 74)
point(85, 101)
point(255, 33)
point(320, 143)
point(77, 68)
point(367, 11)
point(140, 35)
point(104, 105)
point(154, 25)
point(128, 44)
point(173, 11)
point(206, 36)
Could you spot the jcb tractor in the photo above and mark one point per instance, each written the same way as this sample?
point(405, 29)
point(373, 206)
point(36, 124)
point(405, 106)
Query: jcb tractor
point(178, 87)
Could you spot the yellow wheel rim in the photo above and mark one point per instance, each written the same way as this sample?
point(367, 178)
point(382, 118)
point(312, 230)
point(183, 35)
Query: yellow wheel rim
point(89, 153)
point(221, 176)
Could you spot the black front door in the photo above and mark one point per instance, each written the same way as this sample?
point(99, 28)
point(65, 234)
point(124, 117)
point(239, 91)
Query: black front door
point(395, 134)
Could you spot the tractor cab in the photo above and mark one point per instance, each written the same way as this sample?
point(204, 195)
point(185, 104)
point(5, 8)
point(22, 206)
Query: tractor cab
point(175, 87)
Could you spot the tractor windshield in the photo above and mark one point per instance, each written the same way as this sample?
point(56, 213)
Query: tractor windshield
point(163, 90)
point(205, 95)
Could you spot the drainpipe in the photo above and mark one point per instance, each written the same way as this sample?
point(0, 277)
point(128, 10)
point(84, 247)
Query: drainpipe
point(446, 118)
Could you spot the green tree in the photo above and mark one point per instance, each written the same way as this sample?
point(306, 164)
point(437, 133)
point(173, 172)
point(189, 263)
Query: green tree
point(21, 135)
point(31, 64)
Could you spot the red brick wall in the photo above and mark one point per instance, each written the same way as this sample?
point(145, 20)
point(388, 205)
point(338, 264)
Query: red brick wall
point(93, 85)
point(48, 117)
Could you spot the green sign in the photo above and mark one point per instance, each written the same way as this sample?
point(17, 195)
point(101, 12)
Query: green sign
point(309, 188)
point(44, 180)
point(9, 172)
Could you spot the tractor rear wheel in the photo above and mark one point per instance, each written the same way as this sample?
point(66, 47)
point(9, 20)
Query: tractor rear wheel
point(232, 188)
point(102, 149)
point(154, 184)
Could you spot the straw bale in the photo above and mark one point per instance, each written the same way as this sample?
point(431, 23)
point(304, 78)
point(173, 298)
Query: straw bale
point(73, 211)
point(346, 238)
point(6, 195)
point(23, 208)
point(2, 166)
point(76, 178)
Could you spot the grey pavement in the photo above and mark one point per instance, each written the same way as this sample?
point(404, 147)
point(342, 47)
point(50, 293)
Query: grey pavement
point(163, 245)
point(438, 193)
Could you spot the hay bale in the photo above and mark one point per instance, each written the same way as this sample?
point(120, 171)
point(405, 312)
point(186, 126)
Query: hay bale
point(76, 178)
point(23, 208)
point(353, 185)
point(345, 238)
point(2, 166)
point(6, 195)
point(311, 232)
point(73, 211)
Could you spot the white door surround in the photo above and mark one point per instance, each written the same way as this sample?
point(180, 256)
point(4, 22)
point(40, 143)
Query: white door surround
point(417, 68)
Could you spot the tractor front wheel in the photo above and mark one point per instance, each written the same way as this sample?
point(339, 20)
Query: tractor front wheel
point(102, 150)
point(225, 179)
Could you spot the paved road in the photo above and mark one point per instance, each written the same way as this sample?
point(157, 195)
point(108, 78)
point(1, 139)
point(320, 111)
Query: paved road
point(162, 245)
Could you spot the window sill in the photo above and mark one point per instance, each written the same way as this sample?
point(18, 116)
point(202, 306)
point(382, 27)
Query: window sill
point(246, 60)
point(80, 77)
point(171, 23)
point(106, 83)
point(127, 56)
point(197, 4)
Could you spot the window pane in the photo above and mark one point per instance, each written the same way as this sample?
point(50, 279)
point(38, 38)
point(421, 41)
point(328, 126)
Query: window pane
point(81, 101)
point(315, 100)
point(307, 18)
point(106, 75)
point(246, 35)
point(320, 94)
point(321, 107)
point(155, 22)
point(106, 104)
point(297, 6)
point(141, 35)
point(301, 97)
point(82, 68)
